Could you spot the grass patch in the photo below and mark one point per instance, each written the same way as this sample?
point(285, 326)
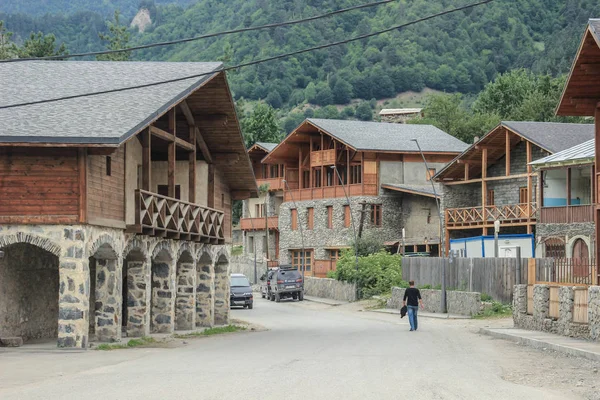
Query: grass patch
point(497, 310)
point(486, 297)
point(237, 250)
point(131, 343)
point(213, 331)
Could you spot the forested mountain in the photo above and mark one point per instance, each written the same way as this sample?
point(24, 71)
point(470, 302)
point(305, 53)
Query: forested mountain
point(455, 53)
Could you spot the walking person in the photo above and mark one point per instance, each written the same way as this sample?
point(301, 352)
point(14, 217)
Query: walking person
point(414, 300)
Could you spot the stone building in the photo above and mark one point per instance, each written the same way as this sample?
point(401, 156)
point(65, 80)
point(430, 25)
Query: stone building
point(116, 208)
point(581, 97)
point(379, 167)
point(261, 213)
point(400, 115)
point(565, 224)
point(493, 179)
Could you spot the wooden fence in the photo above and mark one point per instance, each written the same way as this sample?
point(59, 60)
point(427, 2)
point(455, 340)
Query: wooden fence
point(566, 271)
point(493, 276)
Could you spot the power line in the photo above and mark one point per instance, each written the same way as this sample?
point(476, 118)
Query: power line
point(206, 36)
point(323, 46)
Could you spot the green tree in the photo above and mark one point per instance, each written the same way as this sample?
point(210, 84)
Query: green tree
point(39, 45)
point(364, 111)
point(261, 125)
point(8, 49)
point(117, 38)
point(342, 92)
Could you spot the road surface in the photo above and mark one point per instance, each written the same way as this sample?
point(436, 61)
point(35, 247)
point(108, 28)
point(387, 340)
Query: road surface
point(309, 351)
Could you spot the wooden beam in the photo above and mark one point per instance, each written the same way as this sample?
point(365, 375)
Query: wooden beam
point(185, 145)
point(469, 161)
point(466, 171)
point(489, 147)
point(240, 194)
point(483, 182)
point(210, 188)
point(203, 147)
point(171, 169)
point(300, 174)
point(172, 121)
point(82, 164)
point(225, 158)
point(101, 151)
point(192, 167)
point(146, 159)
point(529, 176)
point(162, 134)
point(507, 168)
point(187, 113)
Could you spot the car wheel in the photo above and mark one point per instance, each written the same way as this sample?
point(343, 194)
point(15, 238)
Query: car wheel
point(277, 298)
point(250, 306)
point(301, 296)
point(294, 296)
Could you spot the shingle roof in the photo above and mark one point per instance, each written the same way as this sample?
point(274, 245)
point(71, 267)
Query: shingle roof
point(552, 136)
point(107, 118)
point(267, 146)
point(584, 152)
point(382, 136)
point(400, 111)
point(425, 190)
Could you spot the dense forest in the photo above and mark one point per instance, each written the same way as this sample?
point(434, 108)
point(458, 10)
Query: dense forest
point(458, 53)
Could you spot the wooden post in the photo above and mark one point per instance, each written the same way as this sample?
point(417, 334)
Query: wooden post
point(483, 184)
point(146, 159)
point(300, 174)
point(82, 164)
point(171, 154)
point(568, 187)
point(310, 168)
point(362, 173)
point(192, 167)
point(322, 167)
point(507, 153)
point(596, 186)
point(531, 271)
point(347, 166)
point(210, 190)
point(529, 187)
point(466, 171)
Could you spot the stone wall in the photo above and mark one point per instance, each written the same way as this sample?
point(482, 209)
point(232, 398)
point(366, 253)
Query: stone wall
point(329, 289)
point(518, 160)
point(244, 264)
point(255, 240)
point(321, 237)
point(97, 270)
point(460, 303)
point(563, 325)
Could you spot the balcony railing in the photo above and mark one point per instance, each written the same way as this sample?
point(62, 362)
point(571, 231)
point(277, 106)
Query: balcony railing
point(489, 214)
point(330, 192)
point(163, 216)
point(274, 183)
point(566, 214)
point(322, 157)
point(258, 224)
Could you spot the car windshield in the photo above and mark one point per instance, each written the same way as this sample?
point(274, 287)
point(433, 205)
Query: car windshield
point(239, 281)
point(290, 275)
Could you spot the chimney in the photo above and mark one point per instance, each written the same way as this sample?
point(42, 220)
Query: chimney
point(476, 139)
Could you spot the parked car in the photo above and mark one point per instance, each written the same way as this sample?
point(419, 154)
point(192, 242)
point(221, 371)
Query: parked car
point(286, 282)
point(265, 286)
point(240, 291)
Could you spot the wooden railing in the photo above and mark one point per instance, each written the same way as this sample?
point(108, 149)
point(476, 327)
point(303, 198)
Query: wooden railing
point(567, 271)
point(322, 157)
point(157, 215)
point(258, 224)
point(489, 214)
point(566, 214)
point(274, 183)
point(329, 192)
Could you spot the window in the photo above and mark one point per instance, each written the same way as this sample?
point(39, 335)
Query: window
point(330, 178)
point(250, 244)
point(490, 197)
point(294, 219)
point(334, 254)
point(311, 218)
point(317, 178)
point(305, 179)
point(330, 217)
point(523, 195)
point(163, 190)
point(355, 174)
point(430, 173)
point(260, 210)
point(347, 217)
point(274, 171)
point(265, 171)
point(108, 166)
point(376, 214)
point(297, 260)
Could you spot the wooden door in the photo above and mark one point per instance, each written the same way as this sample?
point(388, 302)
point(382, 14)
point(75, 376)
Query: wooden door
point(580, 258)
point(523, 200)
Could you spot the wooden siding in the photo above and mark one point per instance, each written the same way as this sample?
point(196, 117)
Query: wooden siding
point(106, 194)
point(223, 202)
point(39, 185)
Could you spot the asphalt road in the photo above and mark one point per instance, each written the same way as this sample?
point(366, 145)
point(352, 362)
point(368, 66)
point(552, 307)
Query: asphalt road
point(309, 351)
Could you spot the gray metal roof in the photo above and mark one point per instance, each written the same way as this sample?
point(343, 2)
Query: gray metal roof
point(552, 136)
point(108, 118)
point(267, 146)
point(584, 152)
point(383, 136)
point(426, 190)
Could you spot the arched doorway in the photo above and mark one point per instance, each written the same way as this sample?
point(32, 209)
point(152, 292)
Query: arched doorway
point(29, 292)
point(163, 293)
point(185, 302)
point(136, 293)
point(581, 254)
point(105, 294)
point(221, 304)
point(554, 248)
point(205, 291)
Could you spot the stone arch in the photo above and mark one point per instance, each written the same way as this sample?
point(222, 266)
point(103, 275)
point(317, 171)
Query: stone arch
point(136, 293)
point(136, 244)
point(571, 243)
point(104, 247)
point(205, 288)
point(221, 303)
point(41, 242)
point(161, 249)
point(186, 247)
point(163, 288)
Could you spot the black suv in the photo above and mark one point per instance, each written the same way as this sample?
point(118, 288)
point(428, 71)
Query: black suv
point(286, 282)
point(240, 291)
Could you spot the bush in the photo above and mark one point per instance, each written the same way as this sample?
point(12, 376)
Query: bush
point(377, 273)
point(486, 297)
point(368, 245)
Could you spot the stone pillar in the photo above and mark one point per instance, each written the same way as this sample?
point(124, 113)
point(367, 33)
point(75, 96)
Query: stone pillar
point(138, 297)
point(205, 294)
point(108, 297)
point(520, 299)
point(541, 307)
point(163, 304)
point(566, 297)
point(185, 304)
point(74, 292)
point(594, 312)
point(221, 293)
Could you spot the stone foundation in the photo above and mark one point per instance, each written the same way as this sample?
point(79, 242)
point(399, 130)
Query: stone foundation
point(329, 289)
point(138, 284)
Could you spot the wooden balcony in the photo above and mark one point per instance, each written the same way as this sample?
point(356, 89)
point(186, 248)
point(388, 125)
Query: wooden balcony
point(274, 183)
point(330, 192)
point(474, 216)
point(566, 214)
point(162, 216)
point(258, 224)
point(323, 157)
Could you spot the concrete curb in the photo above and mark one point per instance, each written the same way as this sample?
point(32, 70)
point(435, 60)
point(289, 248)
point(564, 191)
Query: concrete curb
point(422, 314)
point(329, 302)
point(543, 345)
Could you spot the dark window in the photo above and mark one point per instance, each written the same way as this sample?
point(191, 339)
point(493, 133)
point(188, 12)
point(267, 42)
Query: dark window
point(376, 214)
point(330, 217)
point(163, 190)
point(294, 217)
point(355, 174)
point(297, 260)
point(108, 166)
point(311, 218)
